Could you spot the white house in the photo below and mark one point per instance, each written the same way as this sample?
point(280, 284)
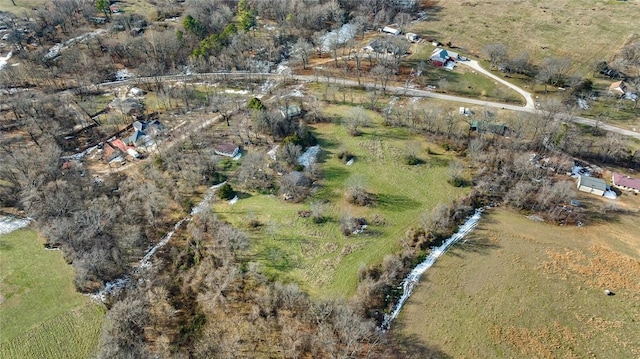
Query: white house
point(226, 149)
point(592, 185)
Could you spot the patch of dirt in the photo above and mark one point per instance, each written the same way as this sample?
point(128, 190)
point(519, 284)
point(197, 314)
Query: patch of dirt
point(599, 267)
point(539, 343)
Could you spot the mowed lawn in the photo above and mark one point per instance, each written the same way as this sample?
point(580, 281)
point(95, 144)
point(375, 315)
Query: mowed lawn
point(519, 289)
point(463, 80)
point(584, 31)
point(318, 256)
point(41, 314)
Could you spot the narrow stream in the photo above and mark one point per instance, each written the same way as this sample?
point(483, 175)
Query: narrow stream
point(9, 224)
point(409, 283)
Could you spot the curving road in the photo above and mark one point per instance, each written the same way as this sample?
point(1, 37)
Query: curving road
point(529, 107)
point(476, 66)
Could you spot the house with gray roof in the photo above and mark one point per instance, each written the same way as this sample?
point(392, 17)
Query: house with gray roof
point(592, 185)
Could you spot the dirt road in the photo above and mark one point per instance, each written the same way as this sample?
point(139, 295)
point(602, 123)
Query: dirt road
point(476, 66)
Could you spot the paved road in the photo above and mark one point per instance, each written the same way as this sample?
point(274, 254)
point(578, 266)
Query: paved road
point(369, 85)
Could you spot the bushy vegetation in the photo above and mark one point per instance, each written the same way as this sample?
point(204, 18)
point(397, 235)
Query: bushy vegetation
point(226, 192)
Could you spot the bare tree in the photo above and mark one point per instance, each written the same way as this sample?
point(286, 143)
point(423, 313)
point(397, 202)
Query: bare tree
point(497, 53)
point(289, 153)
point(383, 74)
point(553, 71)
point(302, 51)
point(520, 63)
point(402, 19)
point(357, 117)
point(252, 174)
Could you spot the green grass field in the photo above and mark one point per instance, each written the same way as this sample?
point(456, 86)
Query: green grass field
point(318, 256)
point(41, 314)
point(518, 289)
point(584, 31)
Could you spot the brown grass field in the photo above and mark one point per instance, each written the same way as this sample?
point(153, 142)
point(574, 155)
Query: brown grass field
point(519, 289)
point(584, 31)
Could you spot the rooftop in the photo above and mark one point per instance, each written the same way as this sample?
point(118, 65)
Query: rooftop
point(626, 181)
point(592, 182)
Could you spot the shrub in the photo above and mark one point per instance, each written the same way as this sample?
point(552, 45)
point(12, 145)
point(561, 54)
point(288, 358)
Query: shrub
point(226, 192)
point(358, 196)
point(412, 160)
point(352, 225)
point(254, 223)
point(256, 104)
point(457, 181)
point(345, 156)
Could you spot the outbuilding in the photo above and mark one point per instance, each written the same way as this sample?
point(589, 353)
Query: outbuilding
point(412, 37)
point(618, 88)
point(592, 185)
point(391, 30)
point(291, 111)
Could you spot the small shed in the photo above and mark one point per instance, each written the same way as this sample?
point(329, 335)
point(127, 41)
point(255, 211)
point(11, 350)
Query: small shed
point(391, 30)
point(226, 149)
point(484, 127)
point(618, 88)
point(412, 36)
point(592, 185)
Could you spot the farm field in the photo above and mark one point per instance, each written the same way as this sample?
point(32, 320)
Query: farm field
point(518, 288)
point(21, 6)
point(584, 32)
point(41, 314)
point(318, 256)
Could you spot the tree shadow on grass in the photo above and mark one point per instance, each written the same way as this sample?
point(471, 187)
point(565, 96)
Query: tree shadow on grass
point(324, 155)
point(326, 143)
point(276, 258)
point(385, 135)
point(336, 174)
point(396, 202)
point(475, 243)
point(243, 195)
point(438, 161)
